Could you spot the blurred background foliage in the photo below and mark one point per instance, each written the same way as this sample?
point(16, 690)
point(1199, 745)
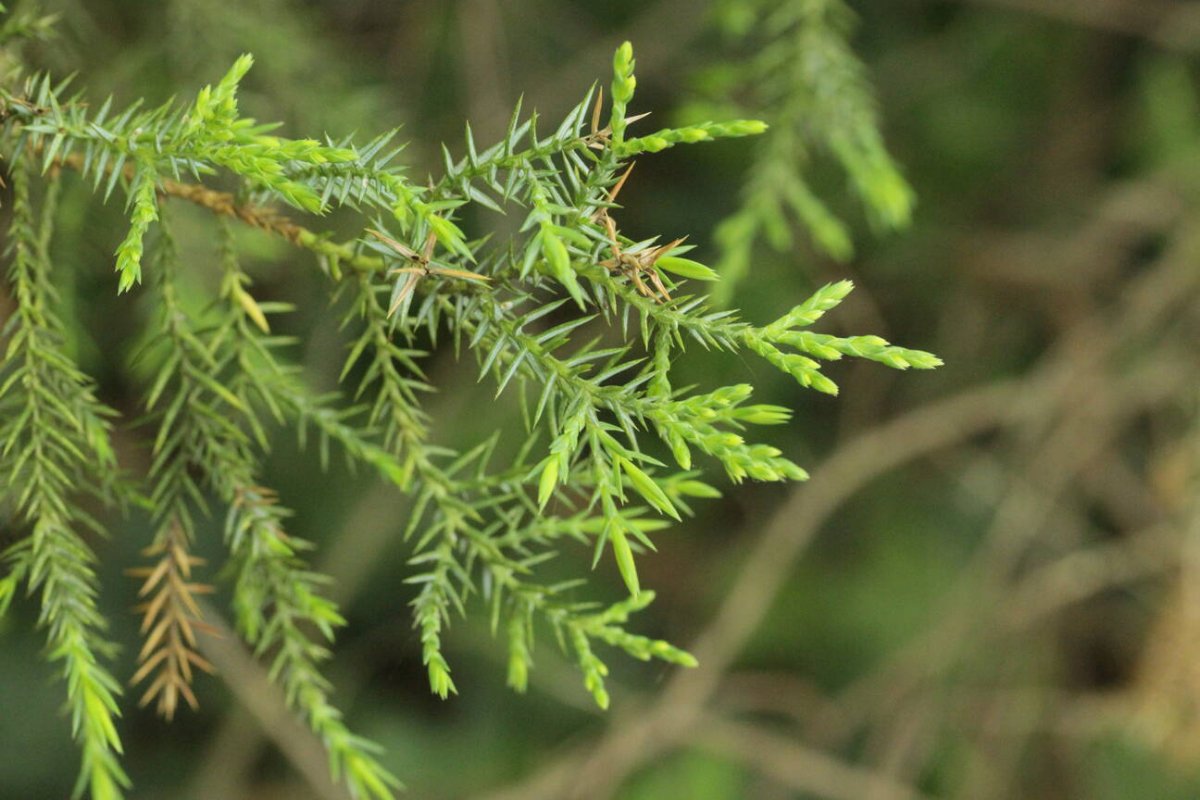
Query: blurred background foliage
point(991, 586)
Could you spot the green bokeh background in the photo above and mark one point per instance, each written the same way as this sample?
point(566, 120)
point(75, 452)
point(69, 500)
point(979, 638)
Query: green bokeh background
point(1019, 124)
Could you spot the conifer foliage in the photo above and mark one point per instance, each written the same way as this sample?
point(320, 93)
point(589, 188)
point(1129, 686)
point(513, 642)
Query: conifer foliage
point(582, 321)
point(799, 71)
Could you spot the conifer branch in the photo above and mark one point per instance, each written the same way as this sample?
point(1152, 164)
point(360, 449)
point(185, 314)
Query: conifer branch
point(53, 432)
point(804, 76)
point(584, 321)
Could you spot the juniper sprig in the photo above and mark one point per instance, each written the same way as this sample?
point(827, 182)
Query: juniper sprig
point(584, 322)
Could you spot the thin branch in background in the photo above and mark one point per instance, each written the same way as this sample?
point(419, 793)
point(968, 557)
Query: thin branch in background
point(796, 767)
point(1171, 24)
point(264, 701)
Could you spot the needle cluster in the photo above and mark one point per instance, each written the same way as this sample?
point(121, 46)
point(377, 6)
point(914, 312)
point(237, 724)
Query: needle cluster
point(581, 320)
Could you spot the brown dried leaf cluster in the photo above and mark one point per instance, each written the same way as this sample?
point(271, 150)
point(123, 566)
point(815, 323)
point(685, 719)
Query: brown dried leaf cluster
point(170, 620)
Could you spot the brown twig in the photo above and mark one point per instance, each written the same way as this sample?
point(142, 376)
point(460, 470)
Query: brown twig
point(261, 217)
